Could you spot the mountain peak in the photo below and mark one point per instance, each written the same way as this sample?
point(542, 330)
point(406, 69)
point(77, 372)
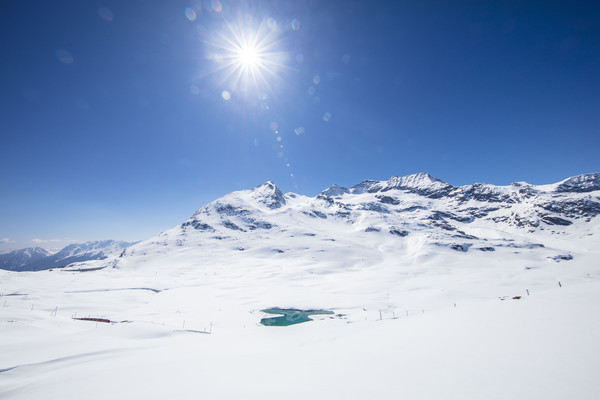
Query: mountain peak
point(334, 190)
point(418, 180)
point(269, 195)
point(268, 184)
point(420, 183)
point(367, 185)
point(18, 258)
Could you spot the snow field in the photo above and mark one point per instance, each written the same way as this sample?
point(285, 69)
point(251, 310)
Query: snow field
point(540, 346)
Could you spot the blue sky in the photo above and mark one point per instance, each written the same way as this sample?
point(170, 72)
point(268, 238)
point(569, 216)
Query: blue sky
point(118, 119)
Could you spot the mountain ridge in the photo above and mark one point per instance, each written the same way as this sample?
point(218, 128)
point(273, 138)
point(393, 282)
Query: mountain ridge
point(382, 218)
point(418, 211)
point(42, 259)
point(17, 259)
point(423, 181)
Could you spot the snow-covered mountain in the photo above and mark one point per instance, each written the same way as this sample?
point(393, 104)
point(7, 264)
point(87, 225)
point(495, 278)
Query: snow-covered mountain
point(407, 217)
point(18, 259)
point(427, 291)
point(35, 259)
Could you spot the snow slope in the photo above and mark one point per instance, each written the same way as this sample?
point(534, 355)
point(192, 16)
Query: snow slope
point(438, 291)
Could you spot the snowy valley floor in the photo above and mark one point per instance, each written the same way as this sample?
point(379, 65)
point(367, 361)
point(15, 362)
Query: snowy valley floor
point(541, 346)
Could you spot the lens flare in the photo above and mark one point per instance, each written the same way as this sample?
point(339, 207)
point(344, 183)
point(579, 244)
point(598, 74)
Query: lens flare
point(190, 13)
point(250, 64)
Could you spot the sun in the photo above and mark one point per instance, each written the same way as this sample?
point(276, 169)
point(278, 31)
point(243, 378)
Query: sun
point(248, 57)
point(248, 54)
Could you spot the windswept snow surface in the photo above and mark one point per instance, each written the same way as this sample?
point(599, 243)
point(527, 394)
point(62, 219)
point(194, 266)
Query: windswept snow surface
point(439, 292)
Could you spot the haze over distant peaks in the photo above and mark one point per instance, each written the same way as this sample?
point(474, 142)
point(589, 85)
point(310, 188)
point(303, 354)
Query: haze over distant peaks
point(35, 259)
point(17, 259)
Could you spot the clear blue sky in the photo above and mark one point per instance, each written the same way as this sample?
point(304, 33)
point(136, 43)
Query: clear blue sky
point(118, 119)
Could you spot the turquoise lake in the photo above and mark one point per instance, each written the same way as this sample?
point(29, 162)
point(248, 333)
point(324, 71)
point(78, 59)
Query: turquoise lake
point(290, 316)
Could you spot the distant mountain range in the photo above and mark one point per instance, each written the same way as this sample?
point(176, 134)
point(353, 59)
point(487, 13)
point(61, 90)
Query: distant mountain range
point(37, 258)
point(402, 219)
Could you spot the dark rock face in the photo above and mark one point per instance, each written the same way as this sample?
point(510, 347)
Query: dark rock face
point(198, 225)
point(481, 193)
point(518, 221)
point(437, 216)
point(399, 232)
point(411, 209)
point(573, 208)
point(377, 207)
point(328, 200)
point(525, 245)
point(433, 193)
point(441, 216)
point(342, 214)
point(463, 235)
point(461, 247)
point(228, 209)
point(315, 214)
point(562, 257)
point(388, 200)
point(474, 212)
point(255, 224)
point(556, 221)
point(232, 226)
point(487, 248)
point(580, 184)
point(442, 224)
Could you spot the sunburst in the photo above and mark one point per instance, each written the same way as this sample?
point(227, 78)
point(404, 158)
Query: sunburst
point(248, 55)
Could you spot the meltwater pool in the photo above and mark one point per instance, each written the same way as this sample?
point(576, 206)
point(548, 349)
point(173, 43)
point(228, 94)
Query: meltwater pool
point(290, 316)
